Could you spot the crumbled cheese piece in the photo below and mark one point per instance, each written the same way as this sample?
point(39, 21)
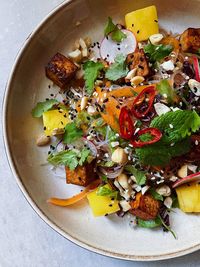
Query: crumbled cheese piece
point(114, 144)
point(168, 65)
point(144, 189)
point(161, 108)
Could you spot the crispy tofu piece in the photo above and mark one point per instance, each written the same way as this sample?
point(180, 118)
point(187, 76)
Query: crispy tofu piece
point(190, 40)
point(138, 60)
point(60, 70)
point(82, 175)
point(147, 209)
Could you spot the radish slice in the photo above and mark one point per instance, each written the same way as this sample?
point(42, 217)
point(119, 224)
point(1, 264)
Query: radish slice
point(110, 49)
point(196, 68)
point(191, 178)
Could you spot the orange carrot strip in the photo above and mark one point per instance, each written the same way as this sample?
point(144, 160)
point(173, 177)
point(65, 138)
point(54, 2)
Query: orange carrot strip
point(74, 199)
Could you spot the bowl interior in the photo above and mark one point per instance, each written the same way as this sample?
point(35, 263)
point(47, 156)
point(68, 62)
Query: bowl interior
point(28, 85)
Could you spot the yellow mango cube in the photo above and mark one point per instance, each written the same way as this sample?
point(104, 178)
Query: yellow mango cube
point(189, 197)
point(143, 22)
point(102, 205)
point(54, 119)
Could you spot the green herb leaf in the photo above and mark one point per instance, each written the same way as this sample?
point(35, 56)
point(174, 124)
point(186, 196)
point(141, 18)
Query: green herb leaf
point(157, 52)
point(70, 158)
point(116, 34)
point(155, 195)
point(66, 157)
point(91, 72)
point(139, 175)
point(83, 118)
point(160, 154)
point(118, 69)
point(42, 107)
point(72, 133)
point(150, 223)
point(164, 88)
point(105, 191)
point(84, 156)
point(183, 123)
point(104, 178)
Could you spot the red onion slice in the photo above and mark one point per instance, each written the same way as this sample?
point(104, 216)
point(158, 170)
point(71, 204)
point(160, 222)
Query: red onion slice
point(191, 178)
point(111, 173)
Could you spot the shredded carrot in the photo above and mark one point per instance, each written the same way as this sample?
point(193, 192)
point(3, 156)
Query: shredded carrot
point(74, 199)
point(128, 91)
point(135, 203)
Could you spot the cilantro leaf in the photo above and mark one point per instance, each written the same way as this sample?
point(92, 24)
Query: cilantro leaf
point(155, 195)
point(84, 155)
point(66, 157)
point(91, 72)
point(164, 88)
point(118, 69)
point(157, 52)
point(116, 34)
point(106, 191)
point(72, 133)
point(150, 223)
point(183, 123)
point(83, 118)
point(69, 158)
point(42, 107)
point(160, 154)
point(139, 175)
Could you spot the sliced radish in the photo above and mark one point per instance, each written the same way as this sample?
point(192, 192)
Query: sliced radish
point(190, 178)
point(110, 49)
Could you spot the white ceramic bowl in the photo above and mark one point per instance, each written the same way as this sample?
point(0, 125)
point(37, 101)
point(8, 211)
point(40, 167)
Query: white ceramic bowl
point(109, 236)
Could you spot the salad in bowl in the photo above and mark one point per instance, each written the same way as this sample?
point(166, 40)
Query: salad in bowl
point(125, 124)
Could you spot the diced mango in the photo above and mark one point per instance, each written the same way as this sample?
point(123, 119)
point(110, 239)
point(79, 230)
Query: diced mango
point(102, 205)
point(189, 197)
point(53, 119)
point(143, 22)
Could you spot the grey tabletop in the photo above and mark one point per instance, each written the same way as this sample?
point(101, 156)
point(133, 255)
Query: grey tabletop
point(25, 240)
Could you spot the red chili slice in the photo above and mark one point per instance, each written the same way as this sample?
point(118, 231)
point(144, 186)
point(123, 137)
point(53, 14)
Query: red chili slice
point(196, 68)
point(155, 133)
point(151, 92)
point(125, 123)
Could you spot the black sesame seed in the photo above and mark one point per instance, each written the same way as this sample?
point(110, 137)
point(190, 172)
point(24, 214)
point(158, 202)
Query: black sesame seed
point(60, 111)
point(65, 116)
point(118, 48)
point(156, 20)
point(112, 198)
point(132, 25)
point(62, 122)
point(45, 128)
point(106, 214)
point(107, 55)
point(47, 99)
point(105, 100)
point(48, 135)
point(88, 118)
point(89, 50)
point(110, 205)
point(79, 178)
point(138, 31)
point(118, 107)
point(98, 43)
point(141, 67)
point(49, 86)
point(107, 37)
point(49, 152)
point(118, 43)
point(51, 94)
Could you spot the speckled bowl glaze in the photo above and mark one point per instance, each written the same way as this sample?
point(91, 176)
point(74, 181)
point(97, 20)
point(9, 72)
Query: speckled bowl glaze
point(27, 84)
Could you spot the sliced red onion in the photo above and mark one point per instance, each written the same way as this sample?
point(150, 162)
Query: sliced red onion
point(191, 178)
point(111, 173)
point(110, 49)
point(91, 146)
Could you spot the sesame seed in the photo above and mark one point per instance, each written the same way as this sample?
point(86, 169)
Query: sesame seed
point(130, 145)
point(138, 31)
point(118, 48)
point(105, 100)
point(118, 107)
point(171, 126)
point(153, 178)
point(110, 205)
point(129, 157)
point(156, 20)
point(49, 86)
point(132, 25)
point(45, 128)
point(196, 142)
point(117, 135)
point(172, 144)
point(51, 94)
point(165, 95)
point(47, 99)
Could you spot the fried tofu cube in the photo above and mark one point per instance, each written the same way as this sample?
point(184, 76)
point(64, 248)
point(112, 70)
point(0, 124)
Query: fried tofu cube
point(82, 175)
point(139, 61)
point(190, 40)
point(143, 22)
point(60, 70)
point(147, 209)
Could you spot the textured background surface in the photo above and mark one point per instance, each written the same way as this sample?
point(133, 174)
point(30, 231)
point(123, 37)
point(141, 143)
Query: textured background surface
point(25, 240)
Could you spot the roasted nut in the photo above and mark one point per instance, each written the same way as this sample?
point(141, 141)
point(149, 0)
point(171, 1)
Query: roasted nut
point(76, 44)
point(164, 190)
point(137, 80)
point(84, 102)
point(168, 202)
point(131, 74)
point(75, 55)
point(92, 110)
point(88, 41)
point(125, 205)
point(82, 43)
point(119, 156)
point(123, 180)
point(43, 140)
point(156, 38)
point(190, 40)
point(58, 131)
point(85, 52)
point(182, 172)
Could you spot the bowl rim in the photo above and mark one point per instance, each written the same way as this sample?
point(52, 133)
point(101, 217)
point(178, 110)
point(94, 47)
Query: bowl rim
point(22, 186)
